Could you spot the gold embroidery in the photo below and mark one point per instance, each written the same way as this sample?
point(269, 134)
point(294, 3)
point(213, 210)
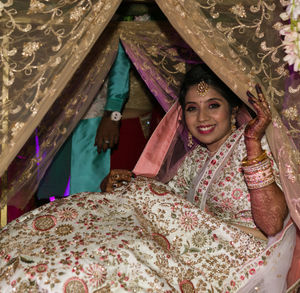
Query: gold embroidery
point(238, 10)
point(44, 223)
point(187, 286)
point(64, 230)
point(291, 113)
point(75, 285)
point(161, 240)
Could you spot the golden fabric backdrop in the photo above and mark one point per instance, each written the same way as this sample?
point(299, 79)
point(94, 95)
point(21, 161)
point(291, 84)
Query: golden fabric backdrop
point(42, 44)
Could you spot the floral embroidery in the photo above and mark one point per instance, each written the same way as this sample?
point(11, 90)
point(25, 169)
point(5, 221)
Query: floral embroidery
point(161, 240)
point(291, 113)
point(186, 286)
point(199, 239)
point(227, 204)
point(75, 285)
point(76, 14)
point(237, 193)
point(97, 274)
point(41, 268)
point(189, 221)
point(36, 6)
point(158, 189)
point(68, 214)
point(64, 230)
point(290, 173)
point(291, 33)
point(30, 48)
point(238, 10)
point(44, 223)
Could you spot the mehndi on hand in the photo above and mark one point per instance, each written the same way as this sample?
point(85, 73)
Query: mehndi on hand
point(257, 126)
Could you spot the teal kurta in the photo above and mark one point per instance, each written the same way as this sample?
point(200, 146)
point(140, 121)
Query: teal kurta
point(87, 167)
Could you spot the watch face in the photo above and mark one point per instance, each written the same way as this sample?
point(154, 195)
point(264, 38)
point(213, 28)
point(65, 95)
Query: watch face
point(116, 116)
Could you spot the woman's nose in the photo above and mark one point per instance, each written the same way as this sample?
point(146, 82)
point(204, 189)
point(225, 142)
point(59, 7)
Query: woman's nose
point(202, 116)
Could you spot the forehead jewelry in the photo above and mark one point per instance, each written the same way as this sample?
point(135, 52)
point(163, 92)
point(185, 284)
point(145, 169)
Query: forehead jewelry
point(202, 88)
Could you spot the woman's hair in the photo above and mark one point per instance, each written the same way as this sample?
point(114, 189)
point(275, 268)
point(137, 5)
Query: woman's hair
point(201, 72)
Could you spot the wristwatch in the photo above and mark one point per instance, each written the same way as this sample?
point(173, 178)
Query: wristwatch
point(115, 116)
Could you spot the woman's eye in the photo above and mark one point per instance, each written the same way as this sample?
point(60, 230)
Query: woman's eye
point(190, 109)
point(214, 106)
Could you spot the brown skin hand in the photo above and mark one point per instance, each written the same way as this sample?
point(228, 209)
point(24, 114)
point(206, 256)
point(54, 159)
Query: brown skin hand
point(114, 179)
point(107, 133)
point(268, 204)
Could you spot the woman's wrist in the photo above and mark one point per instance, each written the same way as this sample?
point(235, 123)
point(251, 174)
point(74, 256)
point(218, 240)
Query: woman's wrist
point(253, 148)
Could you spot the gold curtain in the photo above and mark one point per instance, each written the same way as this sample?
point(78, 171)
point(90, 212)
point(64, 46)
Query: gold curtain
point(160, 56)
point(42, 44)
point(240, 42)
point(28, 168)
point(153, 47)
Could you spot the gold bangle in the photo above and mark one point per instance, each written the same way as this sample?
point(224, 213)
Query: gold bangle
point(256, 160)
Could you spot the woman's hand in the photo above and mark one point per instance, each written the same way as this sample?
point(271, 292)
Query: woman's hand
point(107, 134)
point(115, 178)
point(257, 126)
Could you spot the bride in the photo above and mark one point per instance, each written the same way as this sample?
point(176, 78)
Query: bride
point(212, 218)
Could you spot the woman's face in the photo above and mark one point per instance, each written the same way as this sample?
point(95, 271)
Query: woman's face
point(207, 117)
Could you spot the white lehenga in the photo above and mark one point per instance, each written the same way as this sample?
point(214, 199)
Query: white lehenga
point(146, 237)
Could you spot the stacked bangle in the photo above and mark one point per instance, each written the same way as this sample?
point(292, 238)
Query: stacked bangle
point(256, 160)
point(258, 172)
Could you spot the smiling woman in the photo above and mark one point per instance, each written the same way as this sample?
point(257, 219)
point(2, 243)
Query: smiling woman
point(207, 117)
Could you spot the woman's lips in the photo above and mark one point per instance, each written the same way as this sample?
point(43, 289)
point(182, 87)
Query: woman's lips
point(206, 129)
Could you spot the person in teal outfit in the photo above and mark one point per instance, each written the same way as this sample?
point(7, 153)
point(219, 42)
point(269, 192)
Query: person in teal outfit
point(84, 160)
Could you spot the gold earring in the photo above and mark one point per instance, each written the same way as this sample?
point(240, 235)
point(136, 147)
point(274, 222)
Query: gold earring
point(190, 140)
point(233, 121)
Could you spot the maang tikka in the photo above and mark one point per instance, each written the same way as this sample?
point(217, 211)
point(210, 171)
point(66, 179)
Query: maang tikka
point(202, 88)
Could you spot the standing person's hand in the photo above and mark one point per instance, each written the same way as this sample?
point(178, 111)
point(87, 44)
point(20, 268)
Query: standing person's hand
point(115, 178)
point(107, 133)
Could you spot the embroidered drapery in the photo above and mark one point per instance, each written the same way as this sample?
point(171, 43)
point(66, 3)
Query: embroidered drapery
point(42, 44)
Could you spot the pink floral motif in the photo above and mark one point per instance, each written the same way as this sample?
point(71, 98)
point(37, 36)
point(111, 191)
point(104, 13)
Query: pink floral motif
point(252, 271)
point(75, 284)
point(97, 274)
point(41, 268)
point(237, 193)
point(189, 221)
point(227, 204)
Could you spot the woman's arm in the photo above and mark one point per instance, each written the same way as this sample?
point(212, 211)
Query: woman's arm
point(268, 204)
